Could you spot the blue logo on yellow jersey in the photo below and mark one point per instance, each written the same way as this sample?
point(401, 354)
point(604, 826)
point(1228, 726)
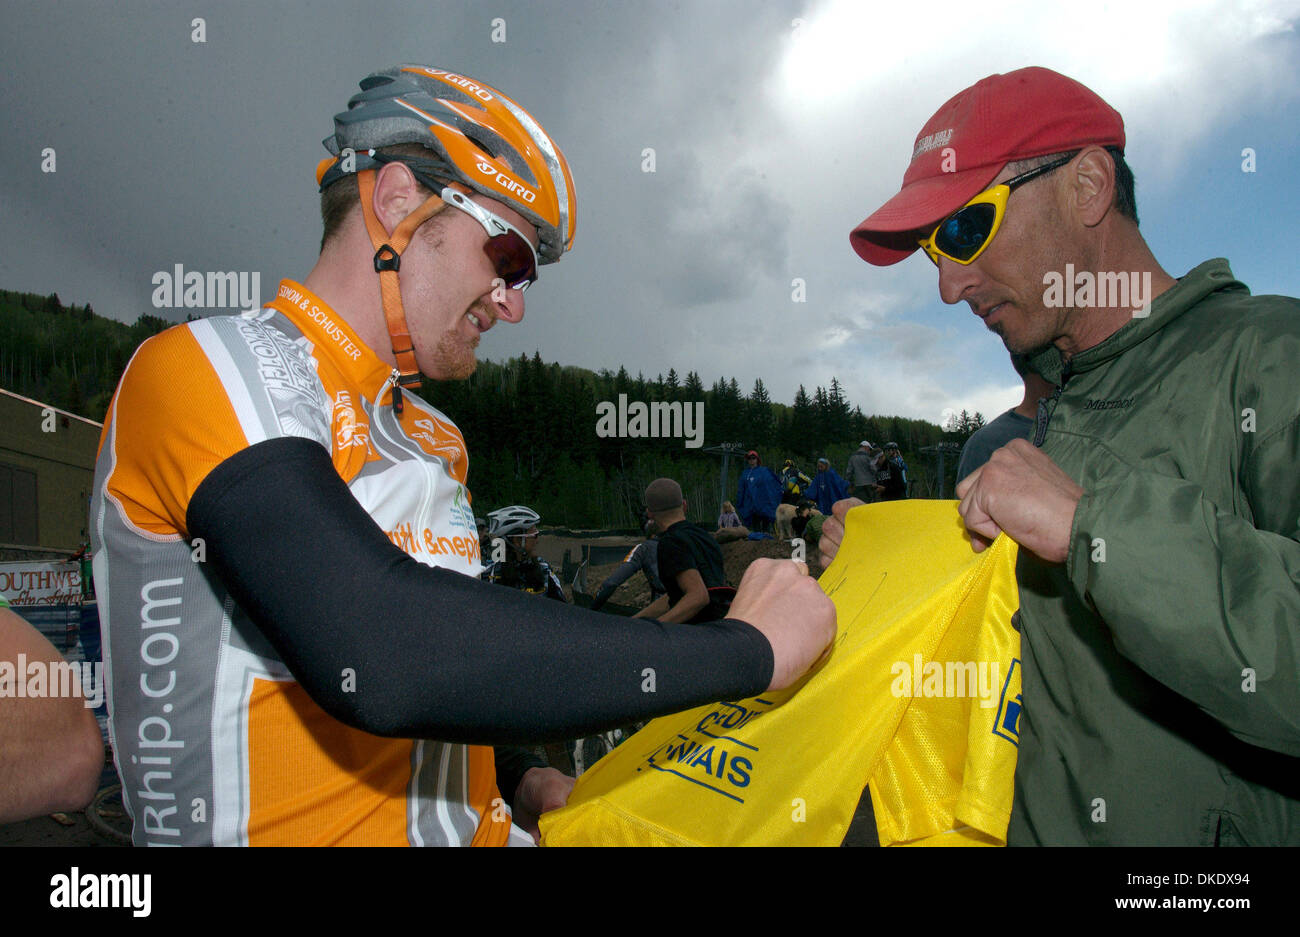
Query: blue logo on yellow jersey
point(1009, 705)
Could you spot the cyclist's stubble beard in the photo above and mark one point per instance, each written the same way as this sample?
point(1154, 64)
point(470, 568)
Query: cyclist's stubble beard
point(453, 356)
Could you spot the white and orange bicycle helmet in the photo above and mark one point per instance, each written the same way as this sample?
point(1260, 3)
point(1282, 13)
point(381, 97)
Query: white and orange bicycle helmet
point(476, 137)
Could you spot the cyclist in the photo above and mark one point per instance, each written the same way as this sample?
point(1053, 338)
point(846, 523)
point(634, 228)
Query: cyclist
point(299, 647)
point(521, 568)
point(515, 528)
point(645, 557)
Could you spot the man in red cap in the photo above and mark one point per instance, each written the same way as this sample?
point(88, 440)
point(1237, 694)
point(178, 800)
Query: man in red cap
point(1158, 505)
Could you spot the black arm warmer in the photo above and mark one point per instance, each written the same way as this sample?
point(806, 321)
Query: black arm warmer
point(437, 654)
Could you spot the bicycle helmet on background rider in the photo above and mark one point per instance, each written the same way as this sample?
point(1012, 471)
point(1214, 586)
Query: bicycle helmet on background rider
point(478, 139)
point(520, 569)
point(512, 521)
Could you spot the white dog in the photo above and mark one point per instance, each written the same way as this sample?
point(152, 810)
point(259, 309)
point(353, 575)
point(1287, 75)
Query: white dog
point(785, 521)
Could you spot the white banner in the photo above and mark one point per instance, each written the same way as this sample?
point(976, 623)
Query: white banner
point(41, 583)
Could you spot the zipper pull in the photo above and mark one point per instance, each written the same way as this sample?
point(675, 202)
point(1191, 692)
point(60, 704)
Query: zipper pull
point(1047, 406)
point(397, 392)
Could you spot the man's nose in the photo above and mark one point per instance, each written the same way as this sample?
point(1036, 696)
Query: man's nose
point(510, 304)
point(955, 279)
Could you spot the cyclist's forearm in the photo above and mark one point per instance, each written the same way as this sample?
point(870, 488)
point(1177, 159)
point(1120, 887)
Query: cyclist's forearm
point(432, 653)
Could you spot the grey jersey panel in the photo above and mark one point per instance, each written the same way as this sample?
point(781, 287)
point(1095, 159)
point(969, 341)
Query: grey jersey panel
point(158, 618)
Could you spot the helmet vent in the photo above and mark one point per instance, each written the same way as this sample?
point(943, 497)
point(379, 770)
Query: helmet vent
point(478, 142)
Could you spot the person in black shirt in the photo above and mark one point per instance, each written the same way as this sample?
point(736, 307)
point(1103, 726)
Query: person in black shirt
point(892, 474)
point(690, 561)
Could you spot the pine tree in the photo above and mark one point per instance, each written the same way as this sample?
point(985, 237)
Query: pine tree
point(837, 415)
point(802, 423)
point(758, 414)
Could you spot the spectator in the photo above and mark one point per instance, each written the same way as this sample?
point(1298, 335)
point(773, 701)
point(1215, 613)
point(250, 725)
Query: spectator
point(812, 532)
point(729, 526)
point(827, 487)
point(1156, 508)
point(891, 473)
point(758, 494)
point(690, 561)
point(802, 512)
point(863, 481)
point(793, 483)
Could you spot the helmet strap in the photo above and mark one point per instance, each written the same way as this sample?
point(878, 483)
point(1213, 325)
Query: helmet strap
point(388, 261)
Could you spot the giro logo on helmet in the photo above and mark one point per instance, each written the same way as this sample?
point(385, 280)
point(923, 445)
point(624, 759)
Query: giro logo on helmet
point(461, 82)
point(510, 185)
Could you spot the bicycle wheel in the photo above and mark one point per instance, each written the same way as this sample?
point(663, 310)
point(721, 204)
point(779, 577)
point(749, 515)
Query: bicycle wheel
point(108, 817)
point(593, 748)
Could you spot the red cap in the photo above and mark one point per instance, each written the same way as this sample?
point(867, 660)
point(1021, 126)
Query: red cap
point(961, 149)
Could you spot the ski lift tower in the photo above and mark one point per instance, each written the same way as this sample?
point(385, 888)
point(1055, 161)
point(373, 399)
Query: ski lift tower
point(940, 450)
point(726, 450)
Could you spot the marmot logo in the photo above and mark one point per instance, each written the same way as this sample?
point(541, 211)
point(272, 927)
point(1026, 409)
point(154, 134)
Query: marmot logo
point(1108, 404)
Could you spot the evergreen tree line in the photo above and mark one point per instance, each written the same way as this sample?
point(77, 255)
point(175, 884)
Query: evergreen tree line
point(530, 425)
point(66, 356)
point(531, 431)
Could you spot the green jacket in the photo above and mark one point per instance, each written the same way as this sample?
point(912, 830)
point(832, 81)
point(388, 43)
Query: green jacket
point(1161, 682)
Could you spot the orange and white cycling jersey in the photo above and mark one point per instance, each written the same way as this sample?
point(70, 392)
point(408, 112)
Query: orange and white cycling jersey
point(215, 741)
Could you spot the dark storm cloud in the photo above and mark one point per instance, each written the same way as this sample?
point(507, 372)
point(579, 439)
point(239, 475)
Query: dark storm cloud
point(201, 154)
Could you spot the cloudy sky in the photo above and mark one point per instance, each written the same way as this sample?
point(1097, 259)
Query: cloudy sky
point(775, 128)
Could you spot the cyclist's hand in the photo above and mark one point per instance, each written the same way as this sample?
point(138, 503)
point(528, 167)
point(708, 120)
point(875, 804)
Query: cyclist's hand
point(540, 790)
point(833, 530)
point(779, 599)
